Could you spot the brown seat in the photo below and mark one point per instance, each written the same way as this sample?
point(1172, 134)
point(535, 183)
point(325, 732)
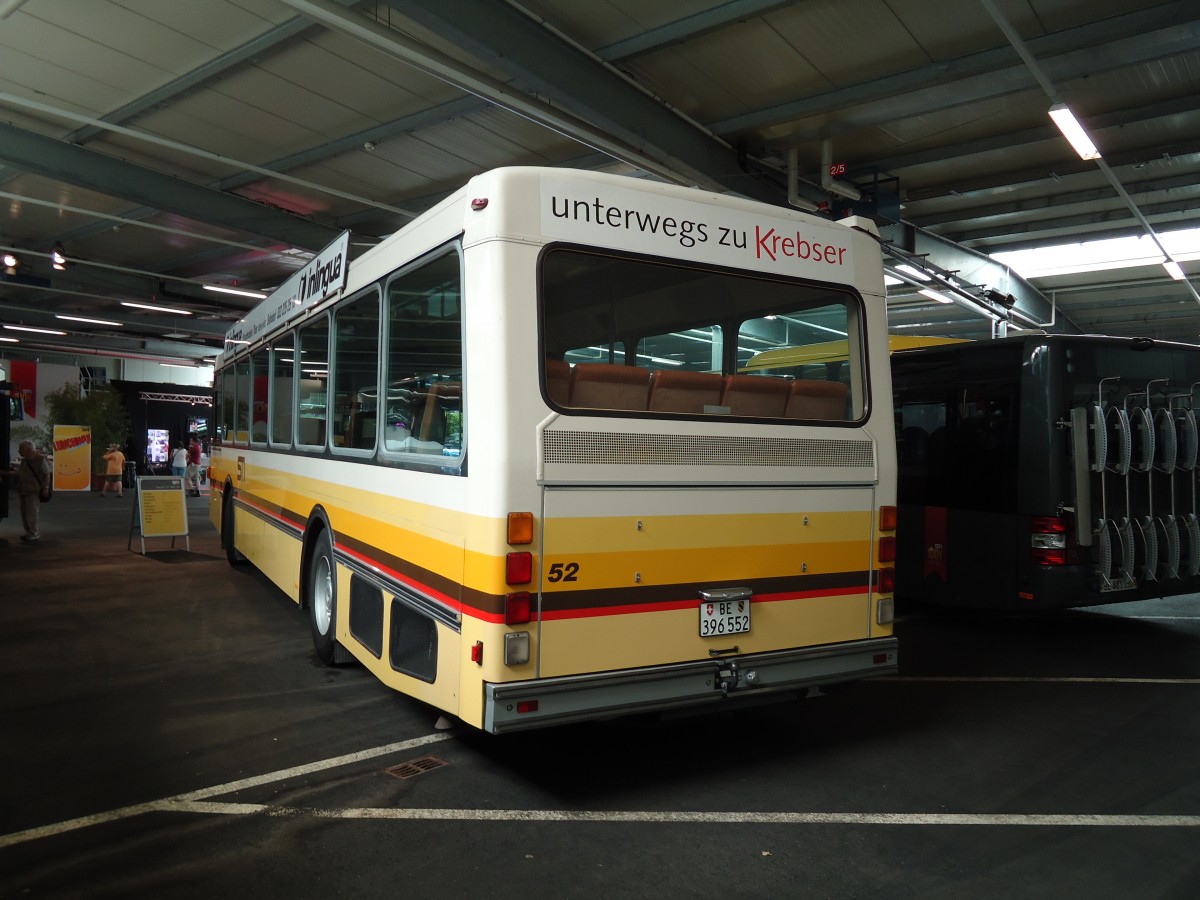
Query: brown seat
point(609, 386)
point(443, 396)
point(685, 392)
point(756, 395)
point(558, 381)
point(811, 399)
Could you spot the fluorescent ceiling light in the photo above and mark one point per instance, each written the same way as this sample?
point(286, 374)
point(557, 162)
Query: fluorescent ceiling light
point(9, 340)
point(221, 289)
point(913, 271)
point(1102, 255)
point(88, 321)
point(34, 330)
point(934, 295)
point(1174, 270)
point(1073, 131)
point(164, 309)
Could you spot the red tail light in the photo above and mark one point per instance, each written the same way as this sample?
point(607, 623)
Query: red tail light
point(1048, 541)
point(518, 568)
point(885, 581)
point(516, 608)
point(887, 549)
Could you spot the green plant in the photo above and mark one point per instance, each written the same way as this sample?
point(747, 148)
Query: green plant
point(35, 433)
point(101, 409)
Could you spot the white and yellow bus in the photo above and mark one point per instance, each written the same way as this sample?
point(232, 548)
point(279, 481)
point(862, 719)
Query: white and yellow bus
point(515, 459)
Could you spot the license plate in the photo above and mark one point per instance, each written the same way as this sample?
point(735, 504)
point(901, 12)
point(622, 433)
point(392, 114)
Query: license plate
point(720, 617)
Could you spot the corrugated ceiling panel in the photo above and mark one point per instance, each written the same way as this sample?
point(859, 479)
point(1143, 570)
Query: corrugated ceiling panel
point(216, 23)
point(346, 80)
point(846, 41)
point(602, 22)
point(387, 67)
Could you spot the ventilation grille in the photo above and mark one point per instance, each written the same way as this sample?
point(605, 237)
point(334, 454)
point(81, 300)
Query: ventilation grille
point(413, 644)
point(597, 448)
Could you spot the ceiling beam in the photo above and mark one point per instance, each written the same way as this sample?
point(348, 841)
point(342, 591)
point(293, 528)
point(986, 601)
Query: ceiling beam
point(80, 166)
point(1005, 180)
point(689, 27)
point(1082, 226)
point(1118, 42)
point(998, 143)
point(542, 64)
point(1183, 186)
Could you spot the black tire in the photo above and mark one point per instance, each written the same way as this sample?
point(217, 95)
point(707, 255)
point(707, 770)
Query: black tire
point(321, 598)
point(228, 533)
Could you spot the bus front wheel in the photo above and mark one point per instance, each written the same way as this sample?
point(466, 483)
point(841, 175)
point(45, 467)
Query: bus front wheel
point(322, 598)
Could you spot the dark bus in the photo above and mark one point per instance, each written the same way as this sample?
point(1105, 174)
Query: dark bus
point(1047, 471)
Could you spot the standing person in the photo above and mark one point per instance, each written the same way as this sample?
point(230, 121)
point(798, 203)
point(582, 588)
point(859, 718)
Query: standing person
point(179, 460)
point(33, 481)
point(116, 468)
point(193, 466)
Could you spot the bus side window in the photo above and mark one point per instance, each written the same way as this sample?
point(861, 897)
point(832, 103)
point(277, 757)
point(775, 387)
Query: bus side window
point(313, 386)
point(424, 359)
point(356, 371)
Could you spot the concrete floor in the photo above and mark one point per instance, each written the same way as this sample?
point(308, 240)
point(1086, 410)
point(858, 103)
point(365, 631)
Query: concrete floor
point(165, 731)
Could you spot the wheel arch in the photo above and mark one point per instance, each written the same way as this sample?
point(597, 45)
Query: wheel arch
point(318, 524)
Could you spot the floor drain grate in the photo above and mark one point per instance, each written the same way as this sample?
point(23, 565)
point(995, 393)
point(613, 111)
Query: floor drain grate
point(416, 767)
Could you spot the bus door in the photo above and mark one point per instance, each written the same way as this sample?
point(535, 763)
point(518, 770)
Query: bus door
point(959, 487)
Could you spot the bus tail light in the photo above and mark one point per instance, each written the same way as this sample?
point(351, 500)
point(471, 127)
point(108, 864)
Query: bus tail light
point(517, 608)
point(1048, 541)
point(885, 581)
point(516, 648)
point(887, 548)
point(885, 576)
point(887, 518)
point(885, 611)
point(520, 528)
point(518, 567)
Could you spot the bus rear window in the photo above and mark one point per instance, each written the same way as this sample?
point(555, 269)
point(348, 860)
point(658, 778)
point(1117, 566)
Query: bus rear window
point(670, 340)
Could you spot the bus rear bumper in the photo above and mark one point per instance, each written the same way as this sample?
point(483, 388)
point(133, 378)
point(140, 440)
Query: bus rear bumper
point(521, 705)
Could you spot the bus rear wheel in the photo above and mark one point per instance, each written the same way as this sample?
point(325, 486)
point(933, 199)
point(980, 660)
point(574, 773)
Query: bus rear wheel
point(322, 598)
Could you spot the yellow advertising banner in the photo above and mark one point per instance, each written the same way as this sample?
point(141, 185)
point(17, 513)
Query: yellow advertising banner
point(72, 458)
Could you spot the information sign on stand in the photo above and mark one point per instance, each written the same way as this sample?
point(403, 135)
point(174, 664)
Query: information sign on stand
point(160, 509)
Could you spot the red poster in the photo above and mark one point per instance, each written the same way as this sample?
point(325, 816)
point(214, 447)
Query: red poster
point(24, 376)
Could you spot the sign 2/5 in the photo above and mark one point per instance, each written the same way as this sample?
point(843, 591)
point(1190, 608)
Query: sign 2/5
point(563, 572)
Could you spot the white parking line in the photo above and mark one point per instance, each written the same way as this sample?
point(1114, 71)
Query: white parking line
point(1033, 679)
point(197, 802)
point(127, 812)
point(676, 817)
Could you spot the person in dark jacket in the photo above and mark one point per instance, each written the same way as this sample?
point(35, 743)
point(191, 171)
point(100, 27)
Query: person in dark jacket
point(33, 481)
